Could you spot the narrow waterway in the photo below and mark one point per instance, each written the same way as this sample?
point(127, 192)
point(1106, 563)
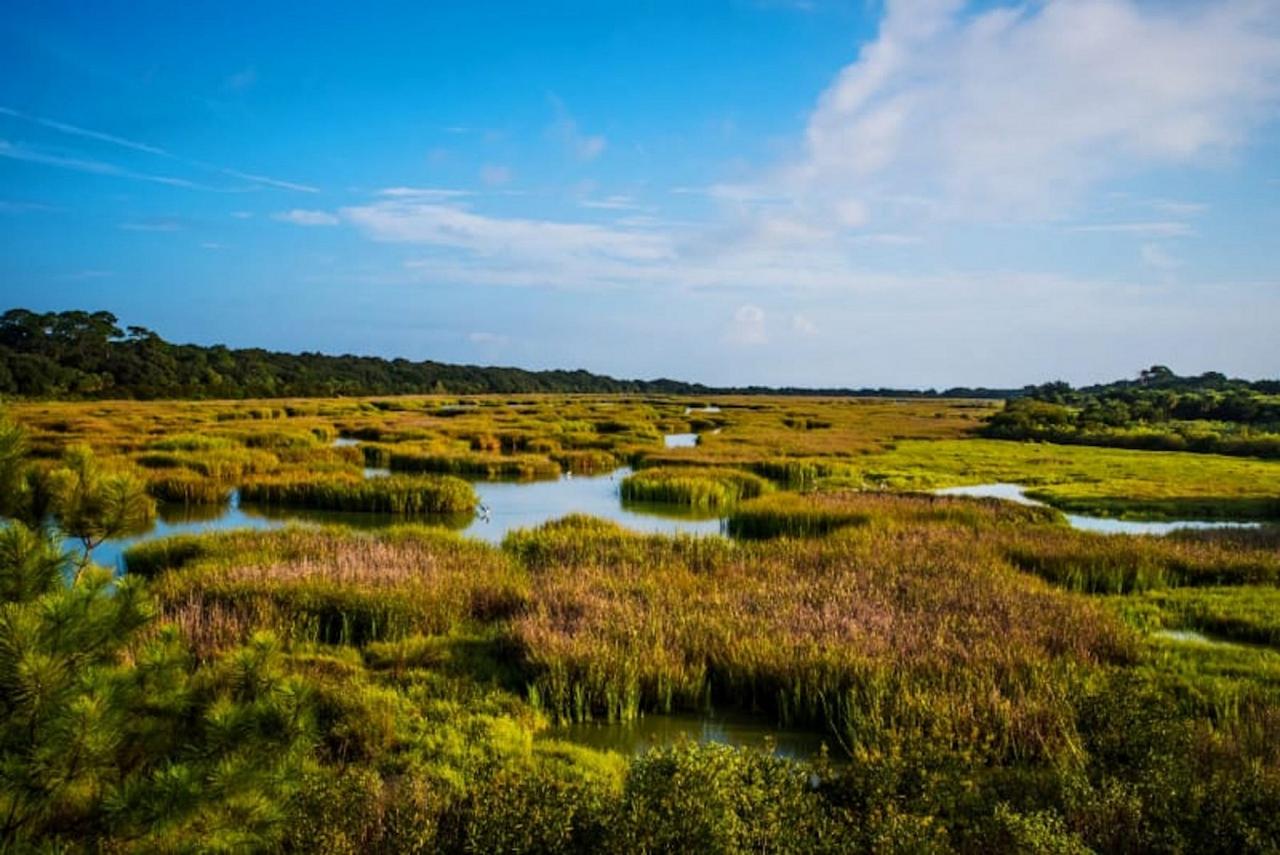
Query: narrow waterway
point(1104, 525)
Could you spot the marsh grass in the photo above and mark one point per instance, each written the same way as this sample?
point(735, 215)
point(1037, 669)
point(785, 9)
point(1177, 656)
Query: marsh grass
point(821, 513)
point(392, 495)
point(328, 585)
point(1115, 564)
point(1247, 614)
point(182, 486)
point(481, 465)
point(694, 487)
point(902, 627)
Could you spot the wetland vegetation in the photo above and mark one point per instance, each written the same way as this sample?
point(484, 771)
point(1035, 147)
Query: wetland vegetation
point(980, 675)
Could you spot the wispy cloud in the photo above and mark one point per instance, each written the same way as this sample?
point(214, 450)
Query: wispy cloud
point(1165, 228)
point(242, 79)
point(422, 192)
point(803, 326)
point(77, 131)
point(612, 203)
point(495, 175)
point(146, 148)
point(302, 217)
point(155, 224)
point(93, 167)
point(269, 181)
point(565, 129)
point(1156, 256)
point(747, 326)
point(10, 206)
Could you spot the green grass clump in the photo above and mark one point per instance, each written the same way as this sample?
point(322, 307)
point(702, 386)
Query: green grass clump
point(182, 486)
point(1249, 614)
point(1117, 564)
point(857, 634)
point(818, 514)
point(586, 461)
point(328, 585)
point(693, 486)
point(191, 442)
point(481, 465)
point(393, 495)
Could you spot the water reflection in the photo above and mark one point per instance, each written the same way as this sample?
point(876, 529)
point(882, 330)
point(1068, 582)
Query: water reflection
point(510, 505)
point(1103, 525)
point(656, 731)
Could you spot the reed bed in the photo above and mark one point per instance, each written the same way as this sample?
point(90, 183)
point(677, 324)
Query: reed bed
point(182, 486)
point(1248, 614)
point(818, 514)
point(397, 494)
point(900, 627)
point(1117, 564)
point(328, 585)
point(586, 461)
point(482, 465)
point(693, 487)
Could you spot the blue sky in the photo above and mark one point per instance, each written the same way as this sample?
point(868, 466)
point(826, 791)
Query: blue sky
point(912, 193)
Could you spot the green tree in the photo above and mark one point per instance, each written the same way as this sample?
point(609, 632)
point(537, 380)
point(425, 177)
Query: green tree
point(94, 502)
point(109, 734)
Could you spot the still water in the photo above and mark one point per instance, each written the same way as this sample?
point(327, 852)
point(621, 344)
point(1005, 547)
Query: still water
point(1104, 525)
point(657, 731)
point(506, 505)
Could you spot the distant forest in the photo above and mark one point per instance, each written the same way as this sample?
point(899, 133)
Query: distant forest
point(87, 355)
point(1158, 411)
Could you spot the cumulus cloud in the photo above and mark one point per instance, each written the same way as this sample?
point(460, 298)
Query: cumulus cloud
point(1014, 112)
point(303, 217)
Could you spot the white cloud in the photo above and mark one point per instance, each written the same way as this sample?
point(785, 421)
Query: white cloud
point(84, 165)
point(747, 326)
point(1016, 111)
point(802, 326)
point(565, 129)
point(93, 167)
point(500, 242)
point(159, 224)
point(1156, 256)
point(481, 337)
point(242, 79)
point(1158, 229)
point(495, 175)
point(422, 192)
point(612, 203)
point(302, 217)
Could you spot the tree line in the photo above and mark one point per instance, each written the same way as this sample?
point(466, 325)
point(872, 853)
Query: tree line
point(1158, 410)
